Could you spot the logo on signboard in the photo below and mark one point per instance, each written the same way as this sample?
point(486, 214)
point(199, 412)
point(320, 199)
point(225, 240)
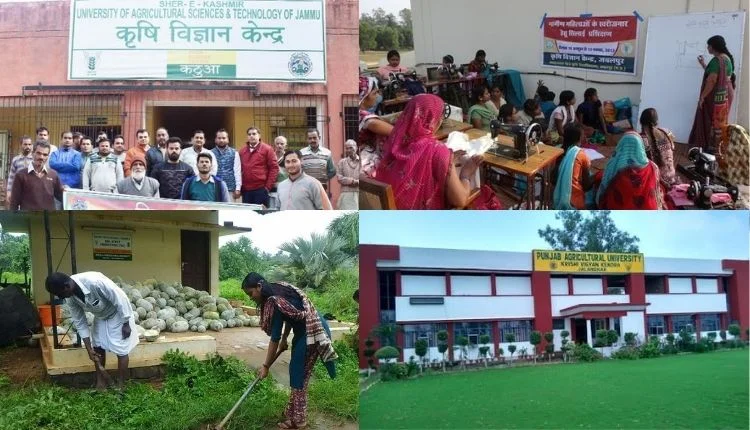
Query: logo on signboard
point(627, 48)
point(92, 61)
point(300, 64)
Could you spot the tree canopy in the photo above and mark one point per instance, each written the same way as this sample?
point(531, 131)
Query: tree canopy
point(381, 31)
point(594, 233)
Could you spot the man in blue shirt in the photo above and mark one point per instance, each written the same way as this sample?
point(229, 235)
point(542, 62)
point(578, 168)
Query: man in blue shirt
point(205, 186)
point(66, 161)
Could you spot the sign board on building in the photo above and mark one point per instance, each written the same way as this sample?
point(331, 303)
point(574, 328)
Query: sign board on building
point(607, 44)
point(74, 199)
point(587, 262)
point(116, 246)
point(234, 40)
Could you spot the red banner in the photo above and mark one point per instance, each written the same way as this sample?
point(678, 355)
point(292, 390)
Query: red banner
point(602, 29)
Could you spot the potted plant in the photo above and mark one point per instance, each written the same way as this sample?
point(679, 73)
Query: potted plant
point(535, 338)
point(510, 338)
point(484, 349)
point(549, 348)
point(565, 344)
point(442, 336)
point(420, 348)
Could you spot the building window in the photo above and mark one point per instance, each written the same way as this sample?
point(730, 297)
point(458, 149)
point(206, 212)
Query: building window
point(616, 285)
point(520, 329)
point(599, 324)
point(558, 324)
point(680, 322)
point(387, 283)
point(710, 322)
point(655, 285)
point(617, 327)
point(471, 330)
point(655, 325)
point(414, 332)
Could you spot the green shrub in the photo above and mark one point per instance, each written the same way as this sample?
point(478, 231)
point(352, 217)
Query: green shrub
point(584, 352)
point(387, 353)
point(630, 339)
point(337, 397)
point(734, 330)
point(703, 345)
point(650, 350)
point(686, 342)
point(412, 368)
point(4, 381)
point(723, 335)
point(393, 371)
point(627, 353)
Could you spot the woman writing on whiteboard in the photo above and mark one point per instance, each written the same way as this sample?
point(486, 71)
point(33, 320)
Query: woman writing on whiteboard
point(715, 102)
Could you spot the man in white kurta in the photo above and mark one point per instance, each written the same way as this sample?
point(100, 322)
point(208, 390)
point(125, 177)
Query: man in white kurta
point(114, 323)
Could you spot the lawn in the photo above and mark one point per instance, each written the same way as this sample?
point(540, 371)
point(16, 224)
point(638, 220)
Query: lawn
point(686, 391)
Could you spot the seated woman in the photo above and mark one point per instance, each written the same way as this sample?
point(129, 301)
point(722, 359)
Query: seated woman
point(630, 180)
point(419, 168)
point(508, 114)
point(546, 100)
point(372, 130)
point(393, 66)
point(482, 111)
point(531, 111)
point(659, 146)
point(562, 116)
point(590, 113)
point(573, 172)
point(479, 62)
point(497, 97)
point(448, 69)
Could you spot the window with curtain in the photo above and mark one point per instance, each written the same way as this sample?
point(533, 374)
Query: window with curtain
point(520, 328)
point(710, 322)
point(656, 325)
point(680, 322)
point(471, 330)
point(414, 332)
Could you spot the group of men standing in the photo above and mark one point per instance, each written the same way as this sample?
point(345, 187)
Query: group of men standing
point(257, 173)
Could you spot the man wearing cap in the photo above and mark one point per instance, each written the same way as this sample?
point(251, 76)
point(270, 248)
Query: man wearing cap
point(138, 184)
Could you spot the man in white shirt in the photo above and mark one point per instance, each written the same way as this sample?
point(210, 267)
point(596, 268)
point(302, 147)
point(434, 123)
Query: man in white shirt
point(189, 156)
point(114, 321)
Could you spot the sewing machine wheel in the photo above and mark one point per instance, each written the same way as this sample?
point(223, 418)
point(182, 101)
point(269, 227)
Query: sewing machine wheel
point(694, 153)
point(534, 134)
point(446, 111)
point(694, 190)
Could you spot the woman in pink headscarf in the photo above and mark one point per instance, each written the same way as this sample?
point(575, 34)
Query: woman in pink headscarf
point(372, 130)
point(419, 168)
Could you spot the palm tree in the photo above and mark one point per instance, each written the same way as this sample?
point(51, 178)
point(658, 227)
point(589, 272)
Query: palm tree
point(311, 263)
point(347, 228)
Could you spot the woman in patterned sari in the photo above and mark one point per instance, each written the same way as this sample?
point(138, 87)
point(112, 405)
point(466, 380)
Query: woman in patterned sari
point(283, 305)
point(715, 102)
point(420, 169)
point(630, 180)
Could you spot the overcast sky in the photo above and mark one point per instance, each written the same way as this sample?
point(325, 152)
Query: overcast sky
point(390, 6)
point(272, 230)
point(677, 234)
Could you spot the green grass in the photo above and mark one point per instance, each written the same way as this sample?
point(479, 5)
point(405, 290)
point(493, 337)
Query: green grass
point(13, 278)
point(231, 289)
point(216, 385)
point(687, 391)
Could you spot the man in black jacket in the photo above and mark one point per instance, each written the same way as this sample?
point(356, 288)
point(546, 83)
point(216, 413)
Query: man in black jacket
point(171, 173)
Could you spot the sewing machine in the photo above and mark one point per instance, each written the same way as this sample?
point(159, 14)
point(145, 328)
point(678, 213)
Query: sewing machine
point(525, 139)
point(703, 178)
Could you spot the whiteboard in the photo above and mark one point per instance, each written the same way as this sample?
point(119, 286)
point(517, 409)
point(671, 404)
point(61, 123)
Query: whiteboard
point(671, 74)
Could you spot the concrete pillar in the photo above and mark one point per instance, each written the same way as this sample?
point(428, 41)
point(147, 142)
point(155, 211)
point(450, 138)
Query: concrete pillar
point(588, 333)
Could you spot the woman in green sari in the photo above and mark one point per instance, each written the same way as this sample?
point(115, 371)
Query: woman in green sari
point(483, 111)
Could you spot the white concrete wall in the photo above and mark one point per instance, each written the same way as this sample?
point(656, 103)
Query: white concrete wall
point(633, 323)
point(562, 302)
point(686, 303)
point(432, 258)
point(432, 354)
point(681, 286)
point(587, 286)
point(519, 345)
point(471, 285)
point(422, 285)
point(448, 27)
point(558, 286)
point(709, 286)
point(466, 308)
point(513, 285)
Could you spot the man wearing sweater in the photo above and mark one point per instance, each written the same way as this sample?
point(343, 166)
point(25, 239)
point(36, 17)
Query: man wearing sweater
point(138, 184)
point(190, 155)
point(259, 169)
point(103, 170)
point(172, 173)
point(228, 160)
point(66, 161)
point(157, 153)
point(138, 151)
point(316, 160)
point(37, 186)
point(205, 187)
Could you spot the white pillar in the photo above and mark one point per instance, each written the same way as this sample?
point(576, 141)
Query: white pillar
point(588, 333)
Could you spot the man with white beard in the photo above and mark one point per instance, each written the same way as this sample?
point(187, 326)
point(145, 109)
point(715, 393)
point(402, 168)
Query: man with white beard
point(138, 184)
